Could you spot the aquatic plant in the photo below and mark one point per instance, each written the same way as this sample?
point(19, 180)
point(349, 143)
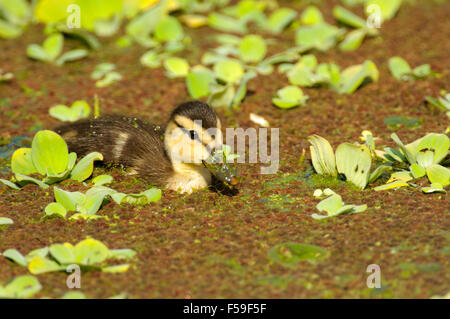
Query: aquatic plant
point(89, 254)
point(49, 157)
point(333, 205)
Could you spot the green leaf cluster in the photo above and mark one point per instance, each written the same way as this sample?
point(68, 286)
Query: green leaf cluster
point(89, 254)
point(49, 157)
point(50, 51)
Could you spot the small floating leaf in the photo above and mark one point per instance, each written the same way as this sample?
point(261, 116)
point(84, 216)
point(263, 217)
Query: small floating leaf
point(90, 251)
point(21, 162)
point(49, 153)
point(15, 256)
point(39, 265)
point(280, 19)
point(198, 82)
point(55, 209)
point(85, 166)
point(168, 29)
point(6, 221)
point(289, 96)
point(354, 162)
point(229, 71)
point(78, 110)
point(252, 48)
point(322, 156)
point(21, 287)
point(176, 67)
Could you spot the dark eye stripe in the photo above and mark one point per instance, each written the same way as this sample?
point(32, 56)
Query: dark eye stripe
point(197, 137)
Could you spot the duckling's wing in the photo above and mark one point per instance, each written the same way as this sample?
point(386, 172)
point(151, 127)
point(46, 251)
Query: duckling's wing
point(128, 141)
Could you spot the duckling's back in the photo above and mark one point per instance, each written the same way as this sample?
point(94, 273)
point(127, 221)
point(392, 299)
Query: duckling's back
point(124, 140)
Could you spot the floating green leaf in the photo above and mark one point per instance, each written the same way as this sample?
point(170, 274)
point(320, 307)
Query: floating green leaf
point(438, 174)
point(349, 18)
point(55, 209)
point(227, 24)
point(176, 67)
point(198, 81)
point(311, 15)
point(252, 48)
point(387, 8)
point(78, 110)
point(320, 36)
point(280, 19)
point(354, 162)
point(289, 96)
point(49, 153)
point(85, 166)
point(334, 206)
point(322, 156)
point(21, 162)
point(229, 71)
point(69, 200)
point(6, 221)
point(355, 76)
point(15, 256)
point(168, 29)
point(20, 287)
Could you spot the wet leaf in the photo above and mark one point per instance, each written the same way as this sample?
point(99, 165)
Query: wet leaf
point(9, 184)
point(226, 24)
point(72, 55)
point(69, 200)
point(252, 48)
point(320, 36)
point(176, 67)
point(53, 46)
point(85, 166)
point(322, 156)
point(280, 19)
point(63, 253)
point(388, 8)
point(438, 174)
point(354, 162)
point(6, 221)
point(116, 269)
point(229, 71)
point(57, 209)
point(102, 180)
point(355, 76)
point(90, 252)
point(78, 110)
point(311, 15)
point(168, 29)
point(289, 96)
point(22, 163)
point(352, 40)
point(399, 68)
point(40, 265)
point(15, 256)
point(198, 81)
point(49, 153)
point(21, 287)
point(349, 18)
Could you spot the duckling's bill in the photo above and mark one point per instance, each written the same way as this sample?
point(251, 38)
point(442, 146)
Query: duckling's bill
point(221, 169)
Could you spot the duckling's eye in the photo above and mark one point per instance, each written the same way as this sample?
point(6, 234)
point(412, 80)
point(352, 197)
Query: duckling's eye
point(193, 134)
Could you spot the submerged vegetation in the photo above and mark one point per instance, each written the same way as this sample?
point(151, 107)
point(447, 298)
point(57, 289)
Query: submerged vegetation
point(290, 65)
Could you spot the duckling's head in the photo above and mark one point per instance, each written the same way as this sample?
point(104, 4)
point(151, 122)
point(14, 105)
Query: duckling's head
point(193, 136)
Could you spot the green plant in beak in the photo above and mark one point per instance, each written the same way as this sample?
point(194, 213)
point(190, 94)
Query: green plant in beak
point(217, 164)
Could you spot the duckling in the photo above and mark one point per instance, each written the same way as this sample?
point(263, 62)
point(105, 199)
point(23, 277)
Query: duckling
point(183, 155)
